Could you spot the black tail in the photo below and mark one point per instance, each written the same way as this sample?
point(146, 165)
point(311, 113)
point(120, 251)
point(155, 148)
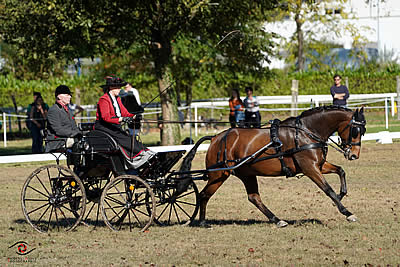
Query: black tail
point(187, 161)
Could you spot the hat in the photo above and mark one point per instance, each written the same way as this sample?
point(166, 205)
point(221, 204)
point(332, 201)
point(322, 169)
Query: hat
point(62, 89)
point(113, 81)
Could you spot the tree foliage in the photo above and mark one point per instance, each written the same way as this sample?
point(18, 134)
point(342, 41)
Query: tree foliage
point(314, 19)
point(43, 30)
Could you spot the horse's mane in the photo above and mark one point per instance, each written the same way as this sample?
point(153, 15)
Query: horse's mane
point(312, 111)
point(322, 108)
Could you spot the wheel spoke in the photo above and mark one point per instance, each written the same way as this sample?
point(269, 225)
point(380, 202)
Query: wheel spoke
point(41, 216)
point(137, 219)
point(179, 206)
point(36, 200)
point(38, 208)
point(34, 189)
point(176, 214)
point(40, 181)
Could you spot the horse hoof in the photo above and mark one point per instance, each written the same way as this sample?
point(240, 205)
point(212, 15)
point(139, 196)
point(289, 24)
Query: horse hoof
point(281, 224)
point(352, 218)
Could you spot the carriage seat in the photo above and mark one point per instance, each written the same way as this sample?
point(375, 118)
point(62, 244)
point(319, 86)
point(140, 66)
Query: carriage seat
point(101, 142)
point(86, 126)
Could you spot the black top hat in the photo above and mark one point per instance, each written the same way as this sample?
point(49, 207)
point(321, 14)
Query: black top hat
point(62, 89)
point(113, 81)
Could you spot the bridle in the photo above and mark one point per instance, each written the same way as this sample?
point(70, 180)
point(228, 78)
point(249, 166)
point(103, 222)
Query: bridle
point(356, 128)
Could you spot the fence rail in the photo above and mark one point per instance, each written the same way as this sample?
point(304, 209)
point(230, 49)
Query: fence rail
point(355, 100)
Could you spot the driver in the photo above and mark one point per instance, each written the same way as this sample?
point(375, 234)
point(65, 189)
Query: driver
point(110, 113)
point(61, 126)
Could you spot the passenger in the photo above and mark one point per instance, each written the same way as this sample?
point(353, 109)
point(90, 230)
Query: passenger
point(110, 114)
point(61, 126)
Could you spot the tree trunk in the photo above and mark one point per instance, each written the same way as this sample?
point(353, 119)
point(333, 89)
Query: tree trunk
point(189, 116)
point(161, 50)
point(300, 42)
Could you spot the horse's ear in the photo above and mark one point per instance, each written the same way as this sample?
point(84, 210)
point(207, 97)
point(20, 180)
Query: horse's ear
point(362, 110)
point(356, 113)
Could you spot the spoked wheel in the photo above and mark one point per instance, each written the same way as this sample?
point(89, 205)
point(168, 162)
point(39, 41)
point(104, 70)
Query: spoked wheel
point(176, 209)
point(124, 203)
point(94, 187)
point(53, 198)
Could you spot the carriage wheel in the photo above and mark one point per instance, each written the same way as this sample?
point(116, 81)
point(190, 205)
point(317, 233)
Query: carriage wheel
point(94, 187)
point(124, 203)
point(53, 198)
point(176, 209)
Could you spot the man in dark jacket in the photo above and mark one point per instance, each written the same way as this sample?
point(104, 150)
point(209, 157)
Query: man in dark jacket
point(62, 129)
point(339, 92)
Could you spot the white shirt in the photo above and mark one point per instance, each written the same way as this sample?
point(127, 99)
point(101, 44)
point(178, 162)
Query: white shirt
point(116, 106)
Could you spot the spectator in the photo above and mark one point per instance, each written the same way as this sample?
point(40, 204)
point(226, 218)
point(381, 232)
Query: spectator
point(339, 92)
point(62, 129)
point(37, 117)
point(131, 100)
point(252, 113)
point(236, 107)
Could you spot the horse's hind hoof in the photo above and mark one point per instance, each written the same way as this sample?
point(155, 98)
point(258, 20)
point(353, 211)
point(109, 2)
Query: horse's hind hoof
point(352, 218)
point(281, 224)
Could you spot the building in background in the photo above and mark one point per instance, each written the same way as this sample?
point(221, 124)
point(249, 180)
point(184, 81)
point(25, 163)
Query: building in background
point(377, 21)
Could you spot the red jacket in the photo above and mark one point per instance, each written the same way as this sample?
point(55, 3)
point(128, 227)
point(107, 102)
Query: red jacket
point(106, 112)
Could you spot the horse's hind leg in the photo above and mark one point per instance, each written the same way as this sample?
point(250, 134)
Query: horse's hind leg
point(251, 185)
point(331, 168)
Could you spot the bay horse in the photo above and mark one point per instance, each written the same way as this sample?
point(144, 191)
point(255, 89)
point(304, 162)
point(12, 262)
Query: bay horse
point(298, 145)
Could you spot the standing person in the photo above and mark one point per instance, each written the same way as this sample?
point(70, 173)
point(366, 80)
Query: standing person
point(38, 115)
point(252, 113)
point(110, 113)
point(339, 92)
point(131, 100)
point(61, 126)
point(236, 109)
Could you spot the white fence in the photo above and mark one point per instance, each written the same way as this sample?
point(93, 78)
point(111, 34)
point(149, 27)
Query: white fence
point(355, 100)
point(381, 137)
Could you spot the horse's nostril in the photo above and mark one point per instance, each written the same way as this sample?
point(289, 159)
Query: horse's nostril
point(353, 157)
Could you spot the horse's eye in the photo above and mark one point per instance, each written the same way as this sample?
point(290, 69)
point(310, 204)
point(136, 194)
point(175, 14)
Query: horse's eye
point(355, 131)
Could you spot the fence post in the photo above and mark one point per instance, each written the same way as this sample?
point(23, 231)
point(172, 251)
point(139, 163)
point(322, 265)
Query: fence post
point(386, 113)
point(398, 96)
point(346, 81)
point(195, 121)
point(295, 93)
point(78, 100)
point(4, 129)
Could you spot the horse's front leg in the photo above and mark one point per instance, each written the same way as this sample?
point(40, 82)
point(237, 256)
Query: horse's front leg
point(331, 168)
point(316, 176)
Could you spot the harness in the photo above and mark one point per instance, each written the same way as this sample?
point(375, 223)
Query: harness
point(277, 144)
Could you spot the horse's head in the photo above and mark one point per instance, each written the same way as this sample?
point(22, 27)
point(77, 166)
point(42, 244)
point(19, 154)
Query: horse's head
point(350, 133)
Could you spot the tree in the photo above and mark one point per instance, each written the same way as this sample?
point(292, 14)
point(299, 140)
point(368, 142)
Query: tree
point(315, 18)
point(77, 28)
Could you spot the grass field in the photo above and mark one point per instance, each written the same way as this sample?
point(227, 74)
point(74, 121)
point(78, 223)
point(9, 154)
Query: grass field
point(318, 235)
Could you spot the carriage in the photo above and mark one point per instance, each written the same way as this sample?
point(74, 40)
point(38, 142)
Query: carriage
point(96, 181)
